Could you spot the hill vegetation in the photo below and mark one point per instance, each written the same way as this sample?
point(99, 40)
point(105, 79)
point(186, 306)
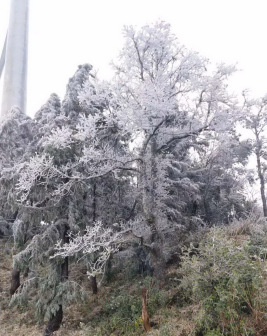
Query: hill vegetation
point(126, 205)
point(218, 288)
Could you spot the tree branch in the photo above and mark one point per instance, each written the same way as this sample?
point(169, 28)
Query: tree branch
point(180, 137)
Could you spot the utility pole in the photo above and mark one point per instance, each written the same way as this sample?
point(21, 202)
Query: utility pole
point(15, 57)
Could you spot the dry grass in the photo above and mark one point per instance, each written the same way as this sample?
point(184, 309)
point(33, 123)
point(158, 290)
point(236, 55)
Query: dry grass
point(15, 322)
point(258, 319)
point(178, 323)
point(245, 227)
point(169, 321)
point(12, 321)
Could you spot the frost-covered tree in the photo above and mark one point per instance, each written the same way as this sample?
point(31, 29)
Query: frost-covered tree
point(220, 169)
point(54, 214)
point(255, 119)
point(16, 133)
point(139, 130)
point(152, 153)
point(98, 243)
point(68, 184)
point(166, 98)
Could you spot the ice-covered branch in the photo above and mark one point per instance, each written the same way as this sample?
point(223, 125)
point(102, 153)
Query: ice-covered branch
point(98, 243)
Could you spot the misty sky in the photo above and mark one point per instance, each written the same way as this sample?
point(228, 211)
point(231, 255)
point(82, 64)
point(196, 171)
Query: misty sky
point(66, 33)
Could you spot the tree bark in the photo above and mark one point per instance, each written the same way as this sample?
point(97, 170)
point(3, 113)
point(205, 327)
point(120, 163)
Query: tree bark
point(263, 197)
point(207, 211)
point(159, 262)
point(260, 175)
point(94, 202)
point(148, 183)
point(145, 316)
point(15, 281)
point(94, 284)
point(55, 321)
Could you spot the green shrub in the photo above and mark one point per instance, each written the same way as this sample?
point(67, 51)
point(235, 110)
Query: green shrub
point(223, 277)
point(157, 297)
point(121, 312)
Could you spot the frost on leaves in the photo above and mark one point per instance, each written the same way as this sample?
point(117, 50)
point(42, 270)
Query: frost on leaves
point(98, 243)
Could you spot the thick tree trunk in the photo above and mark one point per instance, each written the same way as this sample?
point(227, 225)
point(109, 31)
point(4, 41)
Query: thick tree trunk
point(15, 281)
point(94, 284)
point(207, 211)
point(54, 322)
point(148, 182)
point(156, 249)
point(159, 263)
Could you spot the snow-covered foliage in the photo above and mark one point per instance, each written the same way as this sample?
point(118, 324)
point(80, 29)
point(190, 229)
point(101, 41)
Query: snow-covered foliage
point(139, 130)
point(16, 133)
point(155, 149)
point(166, 99)
point(97, 245)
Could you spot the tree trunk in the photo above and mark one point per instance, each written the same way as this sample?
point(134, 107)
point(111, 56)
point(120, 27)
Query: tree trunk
point(93, 284)
point(145, 316)
point(108, 270)
point(263, 197)
point(159, 267)
point(63, 274)
point(148, 183)
point(207, 211)
point(15, 281)
point(94, 202)
point(54, 322)
point(261, 178)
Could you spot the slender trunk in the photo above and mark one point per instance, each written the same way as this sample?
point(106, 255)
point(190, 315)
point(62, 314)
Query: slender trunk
point(55, 321)
point(108, 272)
point(15, 281)
point(207, 211)
point(65, 265)
point(260, 175)
point(94, 202)
point(93, 278)
point(94, 284)
point(15, 275)
point(262, 188)
point(145, 316)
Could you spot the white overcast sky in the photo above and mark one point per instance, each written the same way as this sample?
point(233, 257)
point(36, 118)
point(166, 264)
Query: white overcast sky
point(66, 33)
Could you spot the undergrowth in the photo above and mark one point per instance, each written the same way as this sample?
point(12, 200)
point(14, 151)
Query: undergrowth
point(226, 275)
point(218, 289)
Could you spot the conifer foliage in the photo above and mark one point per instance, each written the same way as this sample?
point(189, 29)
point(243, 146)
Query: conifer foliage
point(148, 157)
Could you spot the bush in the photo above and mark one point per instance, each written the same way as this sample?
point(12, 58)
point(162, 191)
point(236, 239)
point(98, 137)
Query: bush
point(225, 279)
point(121, 311)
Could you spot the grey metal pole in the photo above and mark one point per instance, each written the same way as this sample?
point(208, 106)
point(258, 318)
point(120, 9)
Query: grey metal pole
point(3, 58)
point(15, 78)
